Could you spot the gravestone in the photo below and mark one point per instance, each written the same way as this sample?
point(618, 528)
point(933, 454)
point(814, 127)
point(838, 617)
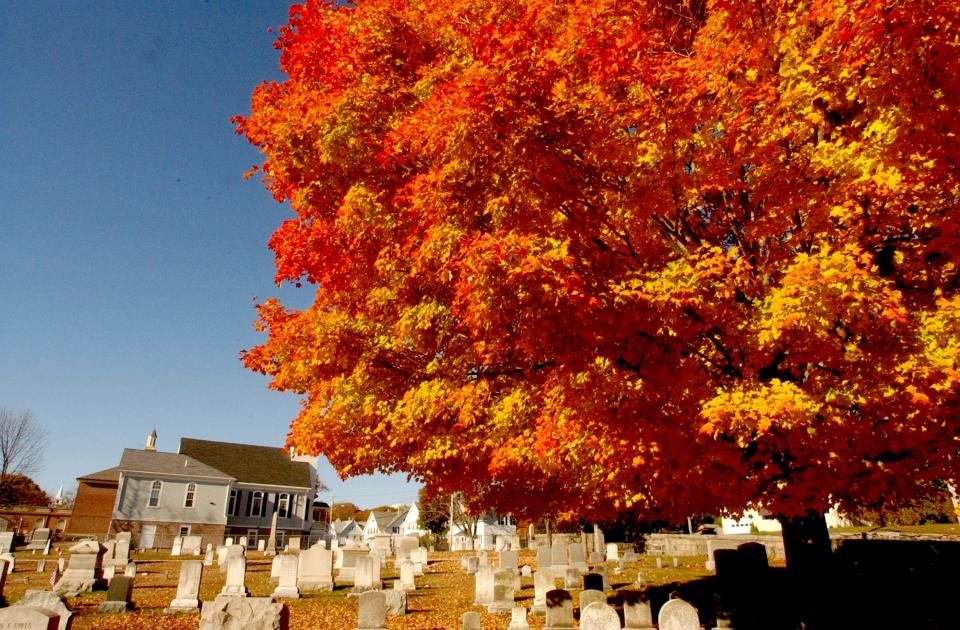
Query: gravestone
point(677, 614)
point(515, 545)
point(407, 544)
point(613, 553)
point(243, 542)
point(191, 546)
point(315, 569)
point(130, 570)
point(41, 565)
point(396, 602)
point(294, 543)
point(366, 575)
point(177, 548)
point(407, 581)
point(543, 557)
point(637, 614)
point(40, 541)
point(270, 545)
point(596, 557)
point(372, 610)
point(589, 596)
point(109, 572)
point(109, 549)
point(208, 556)
point(713, 546)
point(349, 564)
point(275, 570)
point(593, 581)
point(228, 541)
point(470, 621)
point(602, 572)
point(236, 572)
point(753, 557)
point(261, 613)
point(558, 558)
point(571, 578)
point(261, 545)
point(630, 556)
point(526, 571)
point(598, 541)
point(84, 569)
point(11, 561)
point(504, 582)
point(28, 618)
point(659, 560)
point(542, 583)
point(482, 555)
point(6, 542)
point(230, 552)
point(518, 619)
point(559, 610)
point(509, 560)
point(473, 563)
point(118, 595)
point(287, 588)
point(50, 601)
point(187, 599)
point(483, 586)
point(121, 551)
point(599, 616)
point(576, 558)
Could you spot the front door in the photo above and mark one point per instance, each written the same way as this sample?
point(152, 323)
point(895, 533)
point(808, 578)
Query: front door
point(147, 534)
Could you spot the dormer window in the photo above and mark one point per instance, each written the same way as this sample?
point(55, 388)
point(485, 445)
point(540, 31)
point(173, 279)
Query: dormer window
point(155, 487)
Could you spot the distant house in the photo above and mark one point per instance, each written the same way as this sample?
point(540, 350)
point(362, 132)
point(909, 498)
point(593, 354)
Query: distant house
point(346, 531)
point(209, 488)
point(402, 522)
point(93, 505)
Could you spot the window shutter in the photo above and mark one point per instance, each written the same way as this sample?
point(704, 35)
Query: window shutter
point(249, 503)
point(275, 498)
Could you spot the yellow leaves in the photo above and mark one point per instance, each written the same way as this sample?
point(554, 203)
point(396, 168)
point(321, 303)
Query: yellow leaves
point(750, 411)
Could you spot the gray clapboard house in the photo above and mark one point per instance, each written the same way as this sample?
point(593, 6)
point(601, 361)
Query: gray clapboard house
point(213, 490)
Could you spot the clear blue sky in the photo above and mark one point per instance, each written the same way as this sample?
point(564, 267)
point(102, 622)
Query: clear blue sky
point(131, 248)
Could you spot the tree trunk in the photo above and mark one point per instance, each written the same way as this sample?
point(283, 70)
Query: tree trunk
point(806, 544)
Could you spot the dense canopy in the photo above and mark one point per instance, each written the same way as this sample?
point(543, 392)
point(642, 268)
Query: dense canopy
point(580, 256)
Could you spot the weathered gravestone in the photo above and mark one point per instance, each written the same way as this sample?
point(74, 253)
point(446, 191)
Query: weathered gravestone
point(188, 588)
point(236, 572)
point(121, 551)
point(109, 549)
point(366, 575)
point(526, 571)
point(6, 542)
point(293, 543)
point(130, 570)
point(177, 548)
point(601, 570)
point(261, 545)
point(348, 568)
point(243, 613)
point(40, 541)
point(41, 565)
point(372, 610)
point(11, 561)
point(637, 614)
point(229, 553)
point(84, 569)
point(118, 595)
point(571, 578)
point(543, 557)
point(208, 556)
point(599, 616)
point(483, 586)
point(518, 619)
point(613, 553)
point(192, 546)
point(470, 621)
point(287, 588)
point(47, 600)
point(558, 558)
point(559, 610)
point(315, 569)
point(396, 602)
point(509, 560)
point(472, 564)
point(576, 558)
point(504, 582)
point(407, 582)
point(108, 573)
point(677, 614)
point(590, 596)
point(28, 618)
point(542, 583)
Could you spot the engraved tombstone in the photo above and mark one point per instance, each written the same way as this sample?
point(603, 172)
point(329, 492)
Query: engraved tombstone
point(677, 614)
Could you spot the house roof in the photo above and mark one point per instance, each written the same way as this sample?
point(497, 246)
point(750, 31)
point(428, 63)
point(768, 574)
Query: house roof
point(267, 465)
point(384, 519)
point(157, 462)
point(110, 474)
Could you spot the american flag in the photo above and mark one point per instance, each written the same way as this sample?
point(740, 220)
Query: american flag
point(55, 576)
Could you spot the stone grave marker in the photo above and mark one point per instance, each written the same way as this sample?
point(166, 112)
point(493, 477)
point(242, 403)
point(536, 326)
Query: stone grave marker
point(244, 612)
point(559, 610)
point(543, 557)
point(236, 572)
point(191, 546)
point(504, 582)
point(228, 541)
point(630, 556)
point(348, 567)
point(542, 583)
point(108, 572)
point(396, 602)
point(558, 558)
point(602, 572)
point(526, 571)
point(130, 570)
point(753, 556)
point(121, 552)
point(243, 542)
point(599, 616)
point(47, 600)
point(41, 565)
point(472, 564)
point(3, 574)
point(571, 578)
point(372, 610)
point(208, 556)
point(593, 581)
point(287, 588)
point(518, 619)
point(589, 596)
point(407, 581)
point(11, 561)
point(40, 541)
point(6, 542)
point(261, 545)
point(230, 552)
point(677, 614)
point(482, 555)
point(177, 548)
point(576, 558)
point(483, 586)
point(613, 553)
point(637, 614)
point(509, 560)
point(294, 543)
point(28, 618)
point(109, 551)
point(84, 569)
point(315, 569)
point(118, 595)
point(470, 621)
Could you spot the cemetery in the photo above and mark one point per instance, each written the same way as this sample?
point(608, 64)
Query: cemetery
point(743, 586)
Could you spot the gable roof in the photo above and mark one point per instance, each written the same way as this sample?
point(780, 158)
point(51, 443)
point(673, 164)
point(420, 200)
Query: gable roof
point(247, 463)
point(110, 474)
point(156, 462)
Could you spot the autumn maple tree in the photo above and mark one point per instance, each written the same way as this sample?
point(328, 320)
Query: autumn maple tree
point(595, 255)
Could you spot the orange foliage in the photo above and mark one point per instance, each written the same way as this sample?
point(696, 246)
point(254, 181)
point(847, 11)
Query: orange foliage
point(678, 256)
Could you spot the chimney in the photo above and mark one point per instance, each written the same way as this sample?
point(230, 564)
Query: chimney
point(151, 441)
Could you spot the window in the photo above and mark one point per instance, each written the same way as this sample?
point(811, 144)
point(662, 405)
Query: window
point(283, 503)
point(155, 488)
point(190, 495)
point(234, 502)
point(37, 524)
point(184, 530)
point(256, 504)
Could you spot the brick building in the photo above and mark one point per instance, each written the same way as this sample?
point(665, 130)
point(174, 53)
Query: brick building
point(93, 505)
